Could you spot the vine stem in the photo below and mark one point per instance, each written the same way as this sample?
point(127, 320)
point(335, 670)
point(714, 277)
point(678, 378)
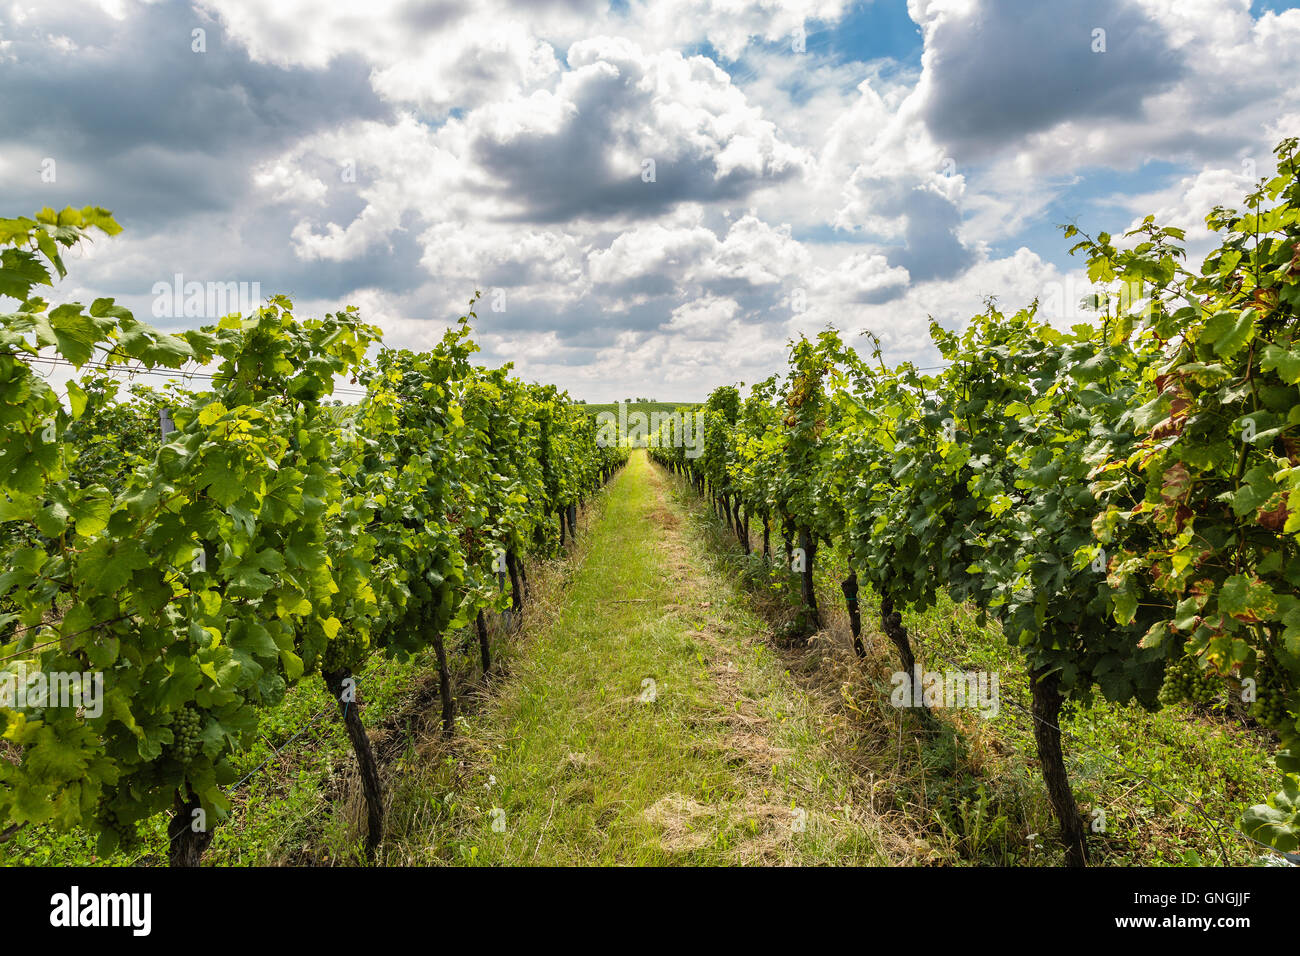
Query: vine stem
point(349, 701)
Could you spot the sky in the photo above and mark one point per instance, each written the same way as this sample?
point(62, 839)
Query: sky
point(653, 197)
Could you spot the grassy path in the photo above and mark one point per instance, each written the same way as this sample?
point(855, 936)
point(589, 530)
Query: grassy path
point(645, 722)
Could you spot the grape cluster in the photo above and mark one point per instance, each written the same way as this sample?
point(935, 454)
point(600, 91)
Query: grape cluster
point(185, 734)
point(1269, 707)
point(1186, 681)
point(127, 834)
point(345, 650)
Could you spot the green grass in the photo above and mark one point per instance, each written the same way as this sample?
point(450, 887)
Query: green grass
point(720, 768)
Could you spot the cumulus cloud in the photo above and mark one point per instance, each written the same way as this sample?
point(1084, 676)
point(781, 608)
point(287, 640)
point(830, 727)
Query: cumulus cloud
point(289, 185)
point(862, 277)
point(703, 319)
point(997, 71)
point(503, 257)
point(729, 27)
point(655, 258)
point(628, 134)
point(481, 67)
point(404, 154)
point(651, 259)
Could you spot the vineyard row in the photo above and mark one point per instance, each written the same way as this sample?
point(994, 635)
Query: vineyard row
point(200, 552)
point(1122, 497)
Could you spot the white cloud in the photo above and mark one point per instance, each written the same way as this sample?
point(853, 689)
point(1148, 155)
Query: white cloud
point(541, 263)
point(729, 26)
point(652, 251)
point(289, 185)
point(504, 144)
point(468, 69)
point(703, 319)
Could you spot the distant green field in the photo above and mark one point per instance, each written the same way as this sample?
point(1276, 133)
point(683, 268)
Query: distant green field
point(646, 407)
point(339, 413)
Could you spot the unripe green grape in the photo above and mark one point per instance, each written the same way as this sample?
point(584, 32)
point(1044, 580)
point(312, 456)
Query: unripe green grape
point(1269, 707)
point(128, 836)
point(186, 726)
point(344, 650)
point(1186, 681)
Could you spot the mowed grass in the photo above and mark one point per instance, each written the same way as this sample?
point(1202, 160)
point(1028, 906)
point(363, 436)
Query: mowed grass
point(646, 720)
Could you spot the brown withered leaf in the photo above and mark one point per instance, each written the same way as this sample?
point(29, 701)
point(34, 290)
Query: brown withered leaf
point(1178, 480)
point(1170, 426)
point(1273, 518)
point(1292, 449)
point(1173, 425)
point(1265, 300)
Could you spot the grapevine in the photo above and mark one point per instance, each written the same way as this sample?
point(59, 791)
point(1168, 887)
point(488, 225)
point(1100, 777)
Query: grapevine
point(1122, 498)
point(266, 539)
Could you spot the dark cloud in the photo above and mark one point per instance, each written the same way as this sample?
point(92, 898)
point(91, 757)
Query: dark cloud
point(931, 248)
point(392, 266)
point(168, 139)
point(879, 295)
point(566, 173)
point(424, 17)
point(1014, 67)
point(584, 323)
point(141, 124)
